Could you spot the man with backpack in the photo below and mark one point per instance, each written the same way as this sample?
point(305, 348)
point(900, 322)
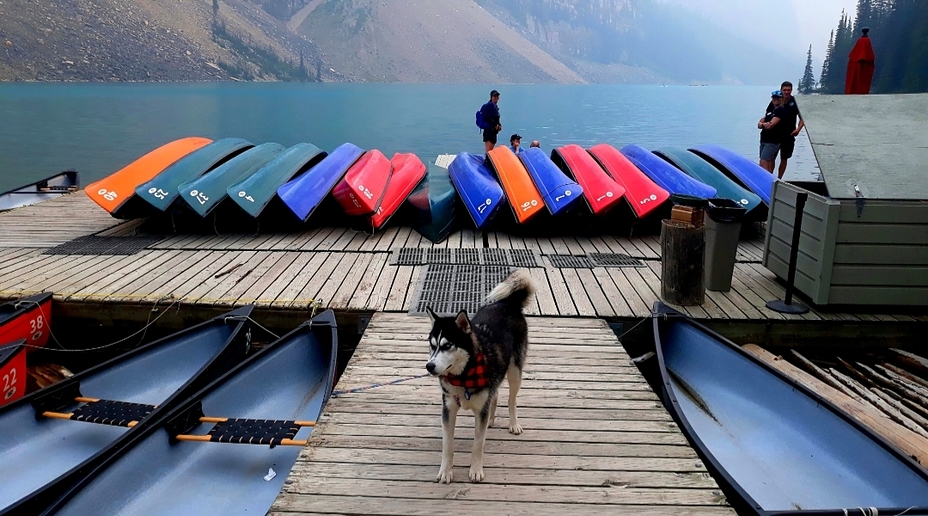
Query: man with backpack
point(488, 121)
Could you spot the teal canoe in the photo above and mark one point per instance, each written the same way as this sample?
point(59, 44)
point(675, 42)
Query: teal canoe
point(205, 193)
point(162, 190)
point(253, 194)
point(702, 170)
point(432, 208)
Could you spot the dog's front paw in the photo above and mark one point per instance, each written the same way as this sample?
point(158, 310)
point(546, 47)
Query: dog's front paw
point(476, 473)
point(444, 476)
point(515, 429)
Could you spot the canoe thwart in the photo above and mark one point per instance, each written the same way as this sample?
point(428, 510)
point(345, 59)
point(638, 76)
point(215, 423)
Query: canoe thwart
point(105, 412)
point(273, 432)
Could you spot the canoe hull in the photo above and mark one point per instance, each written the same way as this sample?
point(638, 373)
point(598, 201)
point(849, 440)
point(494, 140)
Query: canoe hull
point(602, 193)
point(481, 194)
point(432, 207)
point(361, 191)
point(253, 194)
point(666, 175)
point(643, 196)
point(744, 171)
point(408, 172)
point(775, 444)
point(27, 318)
point(305, 193)
point(524, 198)
point(702, 170)
point(42, 190)
point(558, 191)
point(12, 372)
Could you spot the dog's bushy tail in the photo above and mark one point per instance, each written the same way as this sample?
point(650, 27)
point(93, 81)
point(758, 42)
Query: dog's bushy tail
point(514, 290)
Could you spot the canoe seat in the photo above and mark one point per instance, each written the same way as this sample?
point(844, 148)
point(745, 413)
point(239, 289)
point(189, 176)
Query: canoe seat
point(106, 412)
point(272, 432)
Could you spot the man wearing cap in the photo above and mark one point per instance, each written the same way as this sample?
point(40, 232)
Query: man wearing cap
point(771, 131)
point(790, 130)
point(515, 144)
point(490, 114)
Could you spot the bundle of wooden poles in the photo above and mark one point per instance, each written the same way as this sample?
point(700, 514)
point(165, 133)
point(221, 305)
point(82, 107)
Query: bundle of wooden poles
point(887, 392)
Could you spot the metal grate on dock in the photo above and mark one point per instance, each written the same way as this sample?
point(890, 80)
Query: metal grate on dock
point(464, 256)
point(570, 261)
point(615, 260)
point(448, 289)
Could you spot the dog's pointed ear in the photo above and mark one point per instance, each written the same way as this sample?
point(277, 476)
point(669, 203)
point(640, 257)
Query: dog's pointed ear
point(432, 315)
point(463, 321)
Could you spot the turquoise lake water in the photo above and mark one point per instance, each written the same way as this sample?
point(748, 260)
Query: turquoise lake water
point(99, 128)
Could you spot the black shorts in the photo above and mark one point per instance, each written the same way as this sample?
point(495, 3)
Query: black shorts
point(786, 147)
point(489, 136)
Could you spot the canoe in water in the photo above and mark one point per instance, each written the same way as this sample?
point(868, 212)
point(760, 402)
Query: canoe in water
point(362, 189)
point(12, 371)
point(42, 190)
point(524, 197)
point(205, 193)
point(115, 193)
point(408, 172)
point(557, 190)
point(702, 170)
point(27, 318)
point(253, 194)
point(643, 195)
point(287, 382)
point(746, 172)
point(602, 193)
point(433, 205)
point(162, 190)
point(667, 176)
point(778, 445)
point(476, 186)
point(303, 194)
point(44, 453)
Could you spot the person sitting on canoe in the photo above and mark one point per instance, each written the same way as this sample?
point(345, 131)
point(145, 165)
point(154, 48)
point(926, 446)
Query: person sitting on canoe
point(535, 144)
point(489, 116)
point(771, 134)
point(515, 144)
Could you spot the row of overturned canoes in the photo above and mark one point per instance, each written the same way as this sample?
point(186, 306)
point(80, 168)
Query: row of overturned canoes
point(232, 177)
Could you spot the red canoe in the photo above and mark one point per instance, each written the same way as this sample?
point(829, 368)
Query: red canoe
point(362, 189)
point(642, 194)
point(601, 192)
point(408, 171)
point(26, 318)
point(12, 372)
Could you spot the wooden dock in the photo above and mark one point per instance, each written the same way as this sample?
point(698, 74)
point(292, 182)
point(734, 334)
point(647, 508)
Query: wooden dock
point(597, 440)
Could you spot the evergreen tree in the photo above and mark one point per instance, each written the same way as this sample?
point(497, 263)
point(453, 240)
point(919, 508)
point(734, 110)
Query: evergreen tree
point(823, 80)
point(215, 9)
point(807, 83)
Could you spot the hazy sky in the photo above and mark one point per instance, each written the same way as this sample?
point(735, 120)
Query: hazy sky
point(817, 18)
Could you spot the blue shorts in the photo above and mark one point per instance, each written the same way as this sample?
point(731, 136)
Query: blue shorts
point(768, 151)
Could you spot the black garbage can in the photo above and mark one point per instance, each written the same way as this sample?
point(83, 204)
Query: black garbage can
point(723, 227)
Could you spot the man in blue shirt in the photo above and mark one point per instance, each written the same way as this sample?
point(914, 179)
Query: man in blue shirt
point(490, 114)
point(515, 144)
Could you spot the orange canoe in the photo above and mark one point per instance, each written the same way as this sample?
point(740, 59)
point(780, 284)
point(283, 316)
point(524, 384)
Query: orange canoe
point(524, 197)
point(114, 190)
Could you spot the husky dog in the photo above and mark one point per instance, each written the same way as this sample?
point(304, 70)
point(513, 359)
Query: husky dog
point(471, 357)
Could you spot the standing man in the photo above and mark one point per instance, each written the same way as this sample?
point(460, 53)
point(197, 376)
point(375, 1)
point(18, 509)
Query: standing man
point(772, 131)
point(790, 130)
point(489, 113)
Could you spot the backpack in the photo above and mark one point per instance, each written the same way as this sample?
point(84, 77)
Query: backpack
point(481, 123)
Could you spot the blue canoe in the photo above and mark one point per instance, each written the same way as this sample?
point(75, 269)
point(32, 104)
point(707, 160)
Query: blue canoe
point(287, 382)
point(481, 193)
point(704, 171)
point(43, 455)
point(305, 193)
point(432, 207)
point(558, 191)
point(747, 173)
point(206, 192)
point(777, 445)
point(666, 176)
point(254, 193)
point(162, 190)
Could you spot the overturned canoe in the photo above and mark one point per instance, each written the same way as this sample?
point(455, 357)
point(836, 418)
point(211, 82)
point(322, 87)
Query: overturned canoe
point(558, 191)
point(408, 172)
point(643, 195)
point(305, 193)
point(52, 437)
point(747, 173)
point(28, 318)
point(667, 176)
point(362, 189)
point(254, 193)
point(162, 190)
point(12, 371)
point(602, 193)
point(702, 170)
point(283, 388)
point(433, 205)
point(524, 198)
point(476, 186)
point(206, 192)
point(115, 193)
point(780, 447)
point(42, 190)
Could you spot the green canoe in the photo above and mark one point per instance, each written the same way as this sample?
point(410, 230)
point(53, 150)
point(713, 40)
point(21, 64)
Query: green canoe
point(254, 193)
point(700, 169)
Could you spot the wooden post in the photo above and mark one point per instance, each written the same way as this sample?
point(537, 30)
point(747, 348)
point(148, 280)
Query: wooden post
point(682, 263)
